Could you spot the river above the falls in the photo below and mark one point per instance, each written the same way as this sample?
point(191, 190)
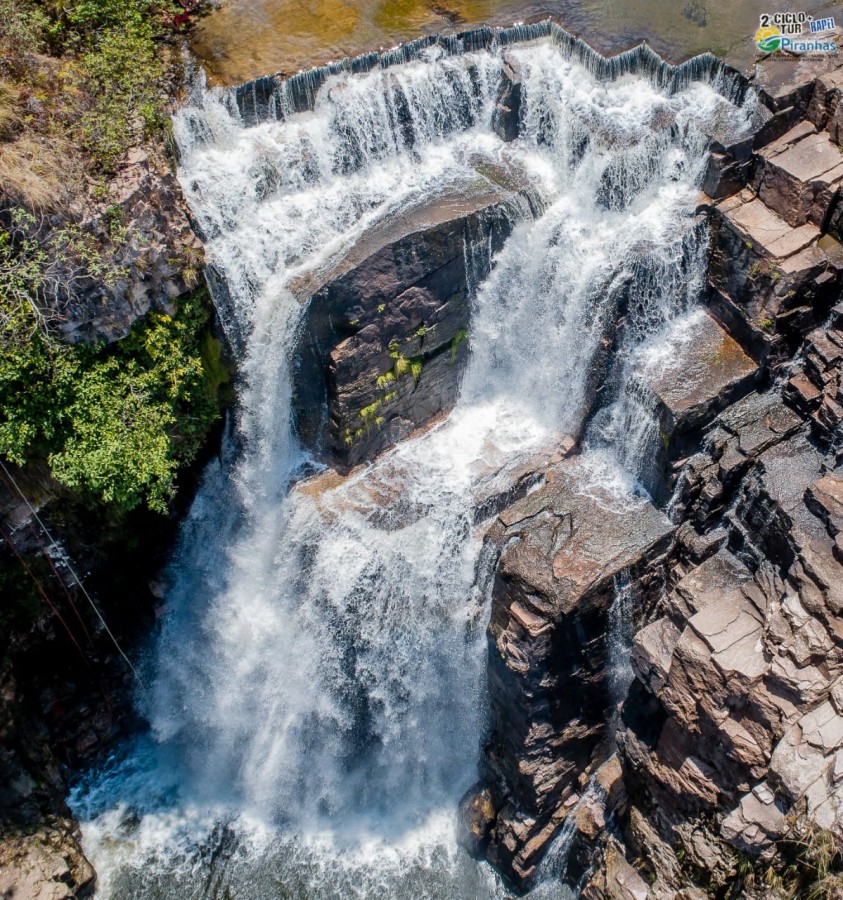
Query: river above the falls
point(243, 39)
point(317, 694)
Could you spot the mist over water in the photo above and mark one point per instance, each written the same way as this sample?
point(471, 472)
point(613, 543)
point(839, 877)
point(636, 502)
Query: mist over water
point(317, 692)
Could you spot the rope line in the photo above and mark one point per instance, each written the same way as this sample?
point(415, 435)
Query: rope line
point(45, 597)
point(72, 571)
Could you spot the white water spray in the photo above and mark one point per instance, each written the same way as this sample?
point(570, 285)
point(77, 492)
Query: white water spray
point(318, 701)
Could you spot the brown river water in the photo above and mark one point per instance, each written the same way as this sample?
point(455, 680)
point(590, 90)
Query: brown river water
point(242, 39)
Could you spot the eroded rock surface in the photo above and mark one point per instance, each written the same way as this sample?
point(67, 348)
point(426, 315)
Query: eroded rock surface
point(149, 245)
point(562, 552)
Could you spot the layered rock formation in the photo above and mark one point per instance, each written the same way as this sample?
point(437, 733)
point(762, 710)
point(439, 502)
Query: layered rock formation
point(150, 254)
point(730, 735)
point(732, 726)
point(65, 691)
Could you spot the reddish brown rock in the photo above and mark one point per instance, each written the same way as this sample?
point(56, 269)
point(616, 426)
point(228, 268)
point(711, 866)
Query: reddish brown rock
point(555, 583)
point(798, 175)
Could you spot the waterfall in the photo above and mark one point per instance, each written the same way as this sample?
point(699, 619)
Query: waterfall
point(318, 699)
point(274, 97)
point(619, 639)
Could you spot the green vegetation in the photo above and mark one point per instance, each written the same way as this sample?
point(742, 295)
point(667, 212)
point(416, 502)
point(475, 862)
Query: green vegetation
point(114, 423)
point(456, 340)
point(81, 81)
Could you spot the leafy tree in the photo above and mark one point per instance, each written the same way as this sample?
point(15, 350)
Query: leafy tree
point(116, 422)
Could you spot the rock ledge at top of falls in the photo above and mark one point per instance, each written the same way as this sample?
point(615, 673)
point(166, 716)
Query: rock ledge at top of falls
point(384, 341)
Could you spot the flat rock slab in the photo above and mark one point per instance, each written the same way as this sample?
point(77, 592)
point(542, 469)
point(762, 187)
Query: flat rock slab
point(759, 422)
point(783, 81)
point(705, 584)
point(573, 542)
point(790, 468)
point(652, 653)
point(763, 228)
point(798, 175)
point(703, 374)
point(452, 201)
point(756, 822)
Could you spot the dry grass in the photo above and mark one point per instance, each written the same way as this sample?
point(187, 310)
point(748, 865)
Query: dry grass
point(40, 164)
point(34, 173)
point(10, 118)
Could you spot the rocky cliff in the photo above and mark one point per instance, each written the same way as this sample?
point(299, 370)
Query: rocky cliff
point(717, 768)
point(664, 676)
point(65, 687)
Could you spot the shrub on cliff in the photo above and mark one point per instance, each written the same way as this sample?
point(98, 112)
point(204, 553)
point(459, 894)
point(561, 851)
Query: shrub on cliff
point(123, 72)
point(116, 422)
point(81, 75)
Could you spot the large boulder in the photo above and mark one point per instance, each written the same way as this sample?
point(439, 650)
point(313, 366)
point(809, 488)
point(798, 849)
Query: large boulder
point(702, 371)
point(798, 176)
point(770, 282)
point(386, 332)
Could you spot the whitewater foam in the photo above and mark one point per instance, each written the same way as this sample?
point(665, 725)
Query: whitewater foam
point(318, 699)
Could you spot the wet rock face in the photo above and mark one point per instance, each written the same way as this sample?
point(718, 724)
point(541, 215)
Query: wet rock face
point(561, 557)
point(506, 117)
point(707, 371)
point(386, 332)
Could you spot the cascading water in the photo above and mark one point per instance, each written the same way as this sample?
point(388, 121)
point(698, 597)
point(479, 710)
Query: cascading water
point(317, 701)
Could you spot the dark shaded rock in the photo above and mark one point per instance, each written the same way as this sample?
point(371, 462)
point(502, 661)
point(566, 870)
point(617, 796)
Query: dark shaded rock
point(385, 338)
point(825, 101)
point(506, 118)
point(724, 176)
point(158, 259)
point(776, 125)
point(477, 812)
point(730, 165)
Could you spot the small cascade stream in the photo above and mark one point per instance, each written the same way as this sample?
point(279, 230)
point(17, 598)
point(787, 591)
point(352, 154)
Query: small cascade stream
point(317, 701)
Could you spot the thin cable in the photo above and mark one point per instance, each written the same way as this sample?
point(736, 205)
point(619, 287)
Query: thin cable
point(44, 596)
point(75, 576)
